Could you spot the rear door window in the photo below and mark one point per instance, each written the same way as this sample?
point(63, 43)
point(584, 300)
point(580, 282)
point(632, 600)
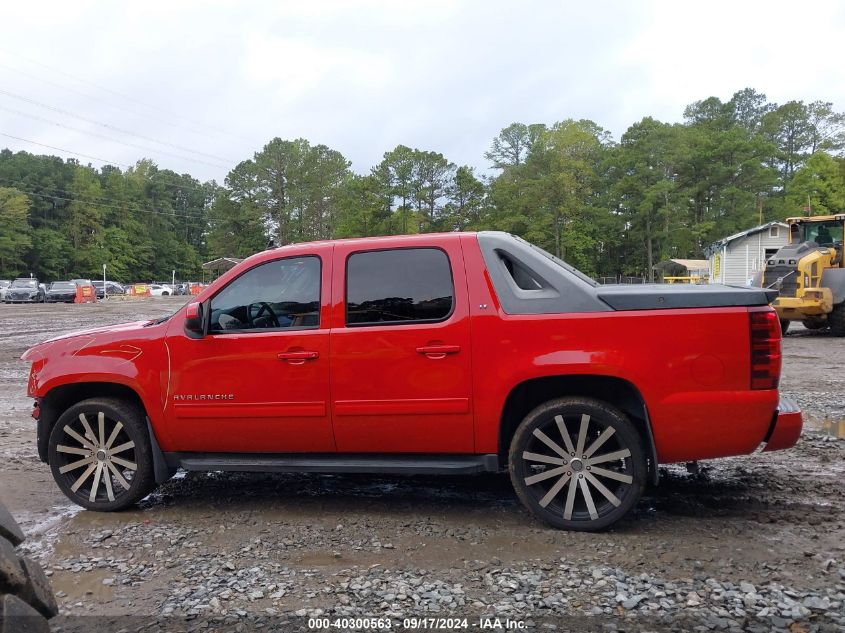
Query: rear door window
point(398, 286)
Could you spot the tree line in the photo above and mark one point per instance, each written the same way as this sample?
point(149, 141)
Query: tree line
point(608, 207)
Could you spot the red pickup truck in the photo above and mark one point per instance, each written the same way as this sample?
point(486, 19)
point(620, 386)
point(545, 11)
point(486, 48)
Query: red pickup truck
point(441, 353)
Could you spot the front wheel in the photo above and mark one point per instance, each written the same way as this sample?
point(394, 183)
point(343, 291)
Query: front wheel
point(100, 456)
point(577, 464)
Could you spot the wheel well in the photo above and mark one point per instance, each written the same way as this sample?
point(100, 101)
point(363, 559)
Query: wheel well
point(59, 399)
point(614, 391)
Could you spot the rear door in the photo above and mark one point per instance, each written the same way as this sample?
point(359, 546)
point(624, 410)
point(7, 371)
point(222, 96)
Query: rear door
point(400, 372)
point(259, 380)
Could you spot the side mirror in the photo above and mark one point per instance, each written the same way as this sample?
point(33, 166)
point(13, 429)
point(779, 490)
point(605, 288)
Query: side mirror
point(194, 322)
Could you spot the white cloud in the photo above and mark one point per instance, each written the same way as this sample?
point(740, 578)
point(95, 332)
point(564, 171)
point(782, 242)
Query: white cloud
point(690, 51)
point(223, 78)
point(294, 68)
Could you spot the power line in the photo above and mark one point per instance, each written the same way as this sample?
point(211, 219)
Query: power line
point(98, 200)
point(122, 95)
point(101, 160)
point(110, 138)
point(107, 206)
point(111, 127)
point(111, 104)
point(118, 205)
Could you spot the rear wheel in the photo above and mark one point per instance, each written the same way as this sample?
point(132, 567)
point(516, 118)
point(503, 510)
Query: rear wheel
point(577, 464)
point(836, 319)
point(99, 453)
point(784, 326)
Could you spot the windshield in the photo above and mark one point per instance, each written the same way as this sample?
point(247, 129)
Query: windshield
point(61, 285)
point(24, 283)
point(823, 233)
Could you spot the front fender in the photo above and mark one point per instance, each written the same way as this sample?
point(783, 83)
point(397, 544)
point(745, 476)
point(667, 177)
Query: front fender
point(138, 363)
point(74, 361)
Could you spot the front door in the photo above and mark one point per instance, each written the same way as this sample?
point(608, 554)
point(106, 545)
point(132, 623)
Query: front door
point(259, 380)
point(401, 375)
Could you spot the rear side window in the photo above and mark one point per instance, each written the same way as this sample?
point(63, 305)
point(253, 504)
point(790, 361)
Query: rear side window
point(408, 285)
point(522, 276)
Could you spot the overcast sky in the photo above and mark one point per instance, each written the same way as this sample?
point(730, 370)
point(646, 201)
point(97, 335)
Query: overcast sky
point(200, 86)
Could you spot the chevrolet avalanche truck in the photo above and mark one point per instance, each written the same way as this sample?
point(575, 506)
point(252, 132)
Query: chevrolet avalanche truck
point(440, 353)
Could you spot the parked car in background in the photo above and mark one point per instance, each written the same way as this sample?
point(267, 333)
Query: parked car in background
point(182, 289)
point(4, 284)
point(157, 290)
point(171, 288)
point(25, 290)
point(61, 292)
point(111, 288)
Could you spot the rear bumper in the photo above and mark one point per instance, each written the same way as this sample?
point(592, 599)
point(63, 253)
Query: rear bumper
point(786, 427)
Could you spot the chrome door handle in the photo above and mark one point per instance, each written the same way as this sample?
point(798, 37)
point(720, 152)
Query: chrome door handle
point(438, 351)
point(300, 356)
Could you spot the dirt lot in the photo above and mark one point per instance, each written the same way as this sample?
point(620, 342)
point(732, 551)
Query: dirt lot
point(756, 542)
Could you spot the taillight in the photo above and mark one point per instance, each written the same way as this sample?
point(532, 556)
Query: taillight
point(765, 349)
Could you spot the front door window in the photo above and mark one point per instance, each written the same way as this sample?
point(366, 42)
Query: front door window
point(281, 294)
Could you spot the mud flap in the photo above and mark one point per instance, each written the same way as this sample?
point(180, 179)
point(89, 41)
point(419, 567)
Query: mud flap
point(653, 464)
point(161, 471)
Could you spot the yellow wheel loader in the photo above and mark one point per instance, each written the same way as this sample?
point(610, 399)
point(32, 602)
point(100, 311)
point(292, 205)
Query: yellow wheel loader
point(809, 274)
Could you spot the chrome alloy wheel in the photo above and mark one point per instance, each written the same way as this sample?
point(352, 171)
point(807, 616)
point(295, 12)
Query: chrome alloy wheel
point(99, 462)
point(577, 468)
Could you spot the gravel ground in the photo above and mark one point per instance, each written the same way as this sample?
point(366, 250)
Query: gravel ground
point(750, 543)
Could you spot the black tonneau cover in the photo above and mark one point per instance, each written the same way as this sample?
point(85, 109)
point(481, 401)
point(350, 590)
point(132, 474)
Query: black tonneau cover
point(551, 286)
point(668, 296)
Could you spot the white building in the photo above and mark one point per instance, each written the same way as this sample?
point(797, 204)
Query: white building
point(735, 259)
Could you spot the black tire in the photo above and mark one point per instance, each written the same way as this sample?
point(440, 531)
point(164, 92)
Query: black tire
point(836, 319)
point(625, 484)
point(26, 598)
point(124, 428)
point(813, 324)
point(784, 326)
